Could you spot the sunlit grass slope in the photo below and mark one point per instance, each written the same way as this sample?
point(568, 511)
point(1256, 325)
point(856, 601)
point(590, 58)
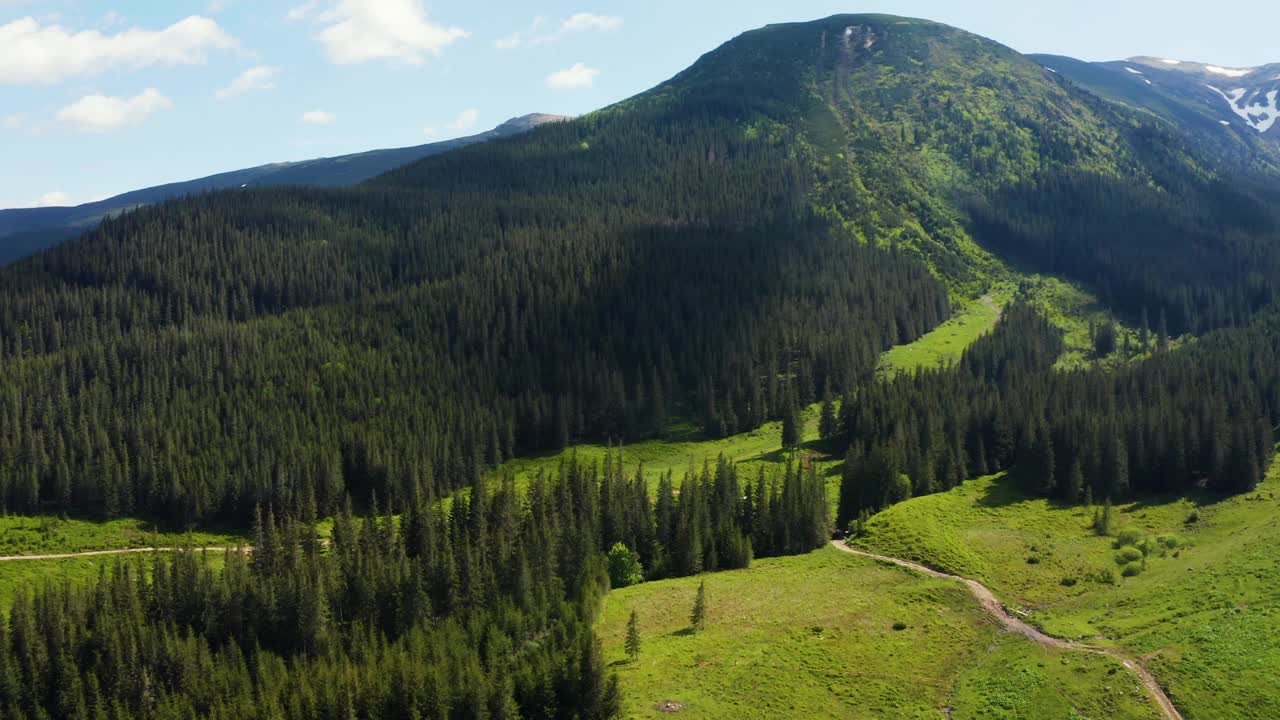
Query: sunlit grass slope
point(1203, 608)
point(829, 635)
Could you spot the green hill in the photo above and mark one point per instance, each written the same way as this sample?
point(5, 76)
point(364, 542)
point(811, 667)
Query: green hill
point(721, 254)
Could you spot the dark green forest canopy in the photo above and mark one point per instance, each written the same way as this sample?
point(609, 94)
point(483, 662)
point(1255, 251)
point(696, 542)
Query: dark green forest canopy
point(745, 238)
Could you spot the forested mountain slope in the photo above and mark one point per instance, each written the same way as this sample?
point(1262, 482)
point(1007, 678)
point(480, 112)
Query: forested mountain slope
point(741, 241)
point(28, 230)
point(691, 252)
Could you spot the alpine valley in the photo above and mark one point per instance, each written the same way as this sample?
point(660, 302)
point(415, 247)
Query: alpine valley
point(866, 368)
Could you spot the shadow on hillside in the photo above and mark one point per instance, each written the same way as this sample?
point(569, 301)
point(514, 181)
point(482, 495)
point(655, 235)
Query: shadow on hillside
point(1004, 491)
point(819, 450)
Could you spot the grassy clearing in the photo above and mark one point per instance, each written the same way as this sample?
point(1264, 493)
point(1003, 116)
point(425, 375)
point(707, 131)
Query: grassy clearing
point(50, 534)
point(1074, 310)
point(814, 636)
point(1203, 613)
point(752, 451)
point(947, 342)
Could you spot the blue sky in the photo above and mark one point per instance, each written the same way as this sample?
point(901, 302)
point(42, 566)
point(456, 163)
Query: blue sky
point(98, 97)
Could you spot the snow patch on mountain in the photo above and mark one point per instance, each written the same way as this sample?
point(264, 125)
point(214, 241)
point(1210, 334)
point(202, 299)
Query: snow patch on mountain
point(1261, 112)
point(1135, 72)
point(1229, 72)
point(1171, 62)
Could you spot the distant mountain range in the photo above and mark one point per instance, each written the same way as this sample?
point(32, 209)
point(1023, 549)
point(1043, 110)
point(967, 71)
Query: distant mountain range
point(1239, 106)
point(28, 230)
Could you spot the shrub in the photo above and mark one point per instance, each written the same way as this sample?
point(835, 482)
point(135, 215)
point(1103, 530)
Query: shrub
point(1168, 541)
point(1106, 576)
point(1128, 536)
point(1128, 555)
point(1132, 569)
point(1033, 560)
point(624, 567)
point(899, 626)
point(1193, 518)
point(1068, 581)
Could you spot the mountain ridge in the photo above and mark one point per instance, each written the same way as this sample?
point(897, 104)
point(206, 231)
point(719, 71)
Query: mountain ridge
point(27, 230)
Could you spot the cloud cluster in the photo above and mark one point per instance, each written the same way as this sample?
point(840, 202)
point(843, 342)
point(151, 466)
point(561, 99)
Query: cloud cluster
point(32, 53)
point(575, 78)
point(261, 77)
point(318, 117)
point(357, 31)
point(539, 33)
point(56, 198)
point(103, 113)
point(465, 121)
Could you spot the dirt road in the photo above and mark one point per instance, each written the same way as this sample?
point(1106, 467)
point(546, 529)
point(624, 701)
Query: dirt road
point(997, 610)
point(95, 553)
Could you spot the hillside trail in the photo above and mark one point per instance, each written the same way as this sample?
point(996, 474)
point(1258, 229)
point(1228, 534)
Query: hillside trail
point(997, 610)
point(98, 553)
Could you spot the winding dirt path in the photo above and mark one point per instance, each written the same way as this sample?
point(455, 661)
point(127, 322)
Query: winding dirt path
point(997, 610)
point(96, 553)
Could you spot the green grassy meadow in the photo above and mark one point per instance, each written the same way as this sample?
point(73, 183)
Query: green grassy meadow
point(830, 635)
point(49, 534)
point(1202, 611)
point(946, 343)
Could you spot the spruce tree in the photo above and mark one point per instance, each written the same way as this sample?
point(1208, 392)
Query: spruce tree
point(827, 425)
point(792, 428)
point(698, 619)
point(633, 637)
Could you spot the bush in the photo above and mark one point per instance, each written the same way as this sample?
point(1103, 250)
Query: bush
point(1193, 518)
point(1033, 560)
point(1132, 569)
point(1068, 581)
point(899, 626)
point(1168, 541)
point(1106, 576)
point(1128, 555)
point(1128, 536)
point(624, 567)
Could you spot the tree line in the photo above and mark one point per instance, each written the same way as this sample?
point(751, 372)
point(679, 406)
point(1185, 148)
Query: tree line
point(478, 608)
point(1202, 416)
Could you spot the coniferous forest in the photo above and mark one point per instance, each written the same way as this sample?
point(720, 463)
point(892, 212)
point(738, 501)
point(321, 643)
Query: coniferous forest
point(737, 244)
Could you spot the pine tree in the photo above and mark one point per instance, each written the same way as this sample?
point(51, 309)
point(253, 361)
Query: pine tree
point(1102, 519)
point(698, 619)
point(827, 425)
point(633, 637)
point(792, 427)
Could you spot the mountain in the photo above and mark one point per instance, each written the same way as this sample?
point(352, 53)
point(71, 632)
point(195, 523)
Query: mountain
point(1236, 108)
point(797, 201)
point(734, 245)
point(27, 230)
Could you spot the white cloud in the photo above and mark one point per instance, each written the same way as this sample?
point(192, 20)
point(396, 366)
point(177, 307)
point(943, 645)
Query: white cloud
point(465, 121)
point(318, 117)
point(577, 77)
point(537, 35)
point(362, 30)
point(102, 113)
point(583, 22)
point(303, 11)
point(262, 77)
point(57, 198)
point(32, 53)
